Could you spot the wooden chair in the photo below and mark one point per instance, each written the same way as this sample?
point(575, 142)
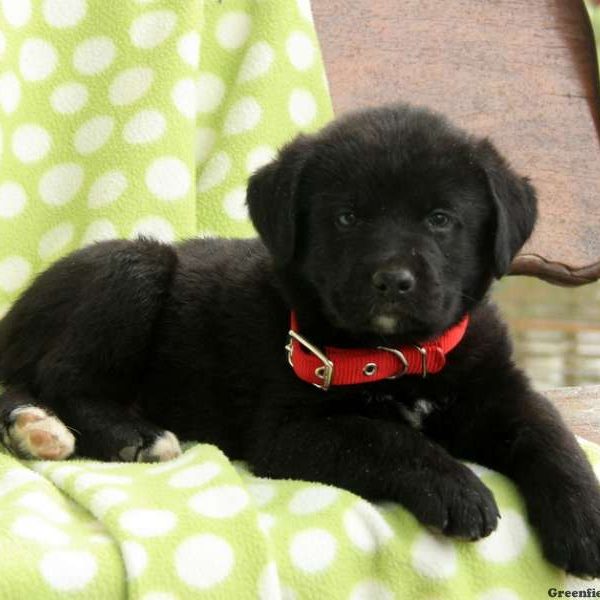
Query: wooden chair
point(523, 72)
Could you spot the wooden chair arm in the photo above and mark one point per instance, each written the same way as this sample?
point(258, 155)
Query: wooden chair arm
point(580, 407)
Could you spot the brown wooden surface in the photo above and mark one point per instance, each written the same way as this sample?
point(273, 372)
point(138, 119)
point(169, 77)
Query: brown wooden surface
point(580, 407)
point(523, 72)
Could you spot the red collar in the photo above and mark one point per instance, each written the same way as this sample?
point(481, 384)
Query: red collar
point(347, 366)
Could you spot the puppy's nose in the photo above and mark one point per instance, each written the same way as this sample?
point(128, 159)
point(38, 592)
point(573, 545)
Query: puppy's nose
point(392, 282)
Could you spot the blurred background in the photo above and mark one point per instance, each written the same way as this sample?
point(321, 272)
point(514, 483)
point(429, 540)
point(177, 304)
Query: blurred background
point(556, 330)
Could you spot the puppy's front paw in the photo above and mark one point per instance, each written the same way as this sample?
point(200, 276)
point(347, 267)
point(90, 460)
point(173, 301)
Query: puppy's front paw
point(458, 504)
point(570, 533)
point(159, 448)
point(31, 432)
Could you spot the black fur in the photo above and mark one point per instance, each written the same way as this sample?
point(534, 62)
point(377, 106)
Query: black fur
point(123, 335)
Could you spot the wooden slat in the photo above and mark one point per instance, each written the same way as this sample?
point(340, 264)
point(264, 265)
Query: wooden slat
point(523, 72)
point(580, 407)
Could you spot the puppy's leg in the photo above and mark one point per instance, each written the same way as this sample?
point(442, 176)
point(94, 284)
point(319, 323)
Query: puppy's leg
point(80, 337)
point(106, 431)
point(379, 460)
point(510, 428)
point(31, 431)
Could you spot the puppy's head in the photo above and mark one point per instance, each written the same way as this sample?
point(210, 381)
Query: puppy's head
point(394, 220)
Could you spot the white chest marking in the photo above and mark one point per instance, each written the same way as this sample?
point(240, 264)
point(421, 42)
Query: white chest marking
point(417, 413)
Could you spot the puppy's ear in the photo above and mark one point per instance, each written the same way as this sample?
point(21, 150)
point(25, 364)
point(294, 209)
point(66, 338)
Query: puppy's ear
point(515, 204)
point(272, 199)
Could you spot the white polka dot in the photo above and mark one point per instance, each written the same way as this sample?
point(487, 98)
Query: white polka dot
point(14, 478)
point(262, 493)
point(302, 107)
point(99, 231)
point(287, 593)
point(243, 116)
point(60, 474)
point(269, 586)
point(365, 527)
point(103, 500)
point(16, 12)
point(220, 502)
point(10, 92)
point(304, 9)
point(196, 475)
point(205, 140)
point(55, 240)
point(93, 134)
point(168, 178)
point(172, 465)
point(37, 59)
point(37, 529)
point(134, 557)
point(434, 556)
point(64, 13)
point(152, 29)
point(234, 204)
point(46, 506)
point(312, 499)
point(88, 480)
point(15, 271)
point(313, 550)
point(233, 30)
point(508, 541)
point(68, 570)
point(145, 127)
point(499, 594)
point(257, 62)
point(12, 199)
point(147, 522)
point(479, 470)
point(259, 157)
point(30, 143)
point(157, 228)
point(300, 50)
point(69, 98)
point(130, 85)
point(574, 583)
point(211, 90)
point(370, 589)
point(184, 97)
point(266, 522)
point(99, 538)
point(108, 188)
point(214, 172)
point(188, 48)
point(204, 560)
point(59, 184)
point(94, 55)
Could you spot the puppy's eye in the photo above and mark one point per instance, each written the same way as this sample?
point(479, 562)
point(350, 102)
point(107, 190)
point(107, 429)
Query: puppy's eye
point(438, 220)
point(346, 219)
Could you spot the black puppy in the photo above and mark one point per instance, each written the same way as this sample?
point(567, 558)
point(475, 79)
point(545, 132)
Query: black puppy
point(382, 233)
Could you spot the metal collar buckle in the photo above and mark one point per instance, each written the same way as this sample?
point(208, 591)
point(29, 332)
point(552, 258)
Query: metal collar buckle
point(400, 357)
point(324, 372)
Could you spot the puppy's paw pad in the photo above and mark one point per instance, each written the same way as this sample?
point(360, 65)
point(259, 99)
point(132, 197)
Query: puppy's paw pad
point(34, 433)
point(165, 447)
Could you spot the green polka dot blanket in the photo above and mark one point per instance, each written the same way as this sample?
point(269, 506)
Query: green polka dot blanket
point(202, 527)
point(127, 117)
